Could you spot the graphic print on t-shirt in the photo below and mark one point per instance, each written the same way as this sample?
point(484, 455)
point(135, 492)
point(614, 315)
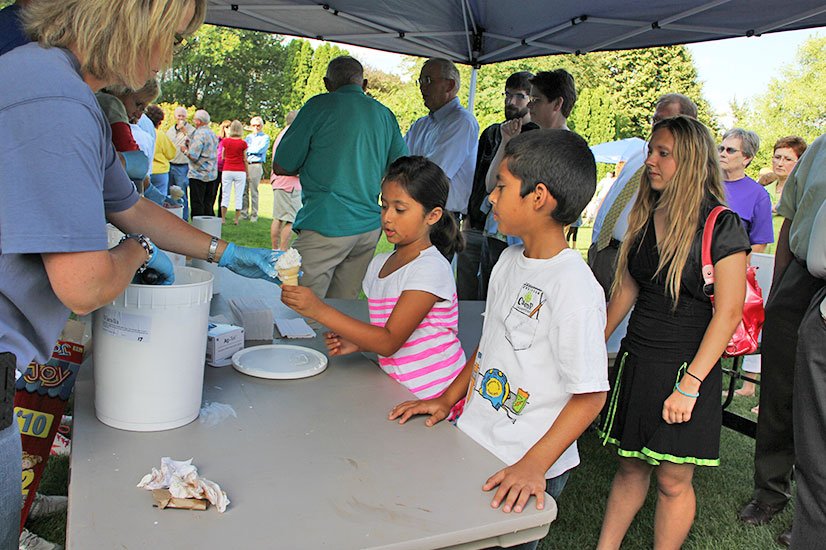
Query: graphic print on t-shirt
point(493, 385)
point(523, 318)
point(529, 301)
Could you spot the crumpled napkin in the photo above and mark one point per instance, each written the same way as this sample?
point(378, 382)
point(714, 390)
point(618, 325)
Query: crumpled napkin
point(183, 481)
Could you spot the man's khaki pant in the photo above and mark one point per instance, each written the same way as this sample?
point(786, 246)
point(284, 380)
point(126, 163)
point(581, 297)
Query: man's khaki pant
point(249, 206)
point(335, 266)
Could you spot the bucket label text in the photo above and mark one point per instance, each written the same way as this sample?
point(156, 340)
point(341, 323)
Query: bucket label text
point(135, 328)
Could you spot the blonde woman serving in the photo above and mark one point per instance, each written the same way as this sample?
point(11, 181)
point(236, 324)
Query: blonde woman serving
point(53, 246)
point(663, 413)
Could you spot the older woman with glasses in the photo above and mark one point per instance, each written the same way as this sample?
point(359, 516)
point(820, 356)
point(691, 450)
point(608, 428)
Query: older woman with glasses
point(60, 188)
point(744, 195)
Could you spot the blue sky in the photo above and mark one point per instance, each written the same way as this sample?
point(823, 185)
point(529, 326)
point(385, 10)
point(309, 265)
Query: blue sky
point(743, 67)
point(735, 68)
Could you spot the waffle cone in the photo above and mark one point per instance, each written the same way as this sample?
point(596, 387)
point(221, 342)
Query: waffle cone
point(289, 276)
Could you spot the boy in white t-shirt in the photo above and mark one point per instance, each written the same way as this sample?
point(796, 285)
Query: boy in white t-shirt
point(539, 376)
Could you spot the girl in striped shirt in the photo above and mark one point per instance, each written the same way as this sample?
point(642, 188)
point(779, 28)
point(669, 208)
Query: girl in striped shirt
point(411, 293)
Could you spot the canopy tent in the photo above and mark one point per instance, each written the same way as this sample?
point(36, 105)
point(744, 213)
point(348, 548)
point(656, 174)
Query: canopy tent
point(612, 152)
point(477, 32)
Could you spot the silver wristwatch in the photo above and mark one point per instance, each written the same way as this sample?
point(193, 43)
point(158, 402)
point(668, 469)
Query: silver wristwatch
point(213, 249)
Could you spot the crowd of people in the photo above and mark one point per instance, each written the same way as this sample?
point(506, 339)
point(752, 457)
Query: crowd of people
point(499, 204)
point(192, 167)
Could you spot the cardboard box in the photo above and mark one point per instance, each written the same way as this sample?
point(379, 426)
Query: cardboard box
point(222, 342)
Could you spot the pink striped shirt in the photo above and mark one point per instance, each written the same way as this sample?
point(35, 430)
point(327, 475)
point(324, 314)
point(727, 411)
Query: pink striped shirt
point(432, 357)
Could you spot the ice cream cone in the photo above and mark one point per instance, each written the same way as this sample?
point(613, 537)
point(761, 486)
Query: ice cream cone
point(176, 192)
point(289, 276)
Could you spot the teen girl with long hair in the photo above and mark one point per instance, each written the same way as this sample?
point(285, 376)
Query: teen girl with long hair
point(663, 413)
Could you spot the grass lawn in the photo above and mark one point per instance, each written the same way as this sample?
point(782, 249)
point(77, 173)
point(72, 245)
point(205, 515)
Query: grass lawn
point(720, 491)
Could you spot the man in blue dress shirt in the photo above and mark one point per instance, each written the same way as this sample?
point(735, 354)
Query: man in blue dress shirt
point(257, 144)
point(448, 135)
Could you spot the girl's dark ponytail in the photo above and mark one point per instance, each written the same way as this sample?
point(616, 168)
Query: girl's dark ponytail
point(446, 236)
point(428, 185)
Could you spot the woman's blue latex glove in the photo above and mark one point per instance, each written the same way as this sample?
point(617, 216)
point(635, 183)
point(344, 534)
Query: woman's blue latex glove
point(159, 270)
point(171, 203)
point(255, 263)
point(152, 193)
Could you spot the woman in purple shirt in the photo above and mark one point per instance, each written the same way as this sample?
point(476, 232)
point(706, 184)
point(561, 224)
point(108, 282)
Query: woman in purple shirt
point(744, 195)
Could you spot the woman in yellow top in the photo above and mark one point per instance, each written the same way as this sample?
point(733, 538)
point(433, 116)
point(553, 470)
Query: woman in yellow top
point(164, 152)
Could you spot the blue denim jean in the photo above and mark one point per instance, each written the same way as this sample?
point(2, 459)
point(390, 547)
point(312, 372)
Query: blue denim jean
point(178, 176)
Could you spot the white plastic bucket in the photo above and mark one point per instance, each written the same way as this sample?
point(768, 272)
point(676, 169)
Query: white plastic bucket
point(149, 351)
point(176, 259)
point(176, 210)
point(212, 226)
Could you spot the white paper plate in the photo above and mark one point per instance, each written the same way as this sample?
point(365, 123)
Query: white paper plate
point(279, 361)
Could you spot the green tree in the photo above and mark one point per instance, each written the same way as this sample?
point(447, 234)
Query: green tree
point(300, 55)
point(637, 78)
point(793, 104)
point(321, 58)
point(739, 112)
point(235, 74)
point(594, 117)
point(231, 73)
point(614, 88)
point(403, 98)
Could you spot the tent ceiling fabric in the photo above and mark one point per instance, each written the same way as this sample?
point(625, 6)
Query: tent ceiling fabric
point(477, 32)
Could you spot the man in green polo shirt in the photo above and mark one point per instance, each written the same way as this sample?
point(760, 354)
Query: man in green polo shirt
point(341, 144)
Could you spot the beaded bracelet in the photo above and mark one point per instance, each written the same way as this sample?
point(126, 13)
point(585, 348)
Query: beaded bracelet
point(147, 246)
point(691, 395)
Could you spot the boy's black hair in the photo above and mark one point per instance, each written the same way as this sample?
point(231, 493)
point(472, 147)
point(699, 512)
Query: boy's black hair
point(519, 81)
point(562, 161)
point(428, 185)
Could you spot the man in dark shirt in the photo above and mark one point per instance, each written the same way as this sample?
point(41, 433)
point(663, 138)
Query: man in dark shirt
point(471, 284)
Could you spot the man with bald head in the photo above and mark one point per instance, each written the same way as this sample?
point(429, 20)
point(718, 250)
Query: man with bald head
point(448, 134)
point(341, 143)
